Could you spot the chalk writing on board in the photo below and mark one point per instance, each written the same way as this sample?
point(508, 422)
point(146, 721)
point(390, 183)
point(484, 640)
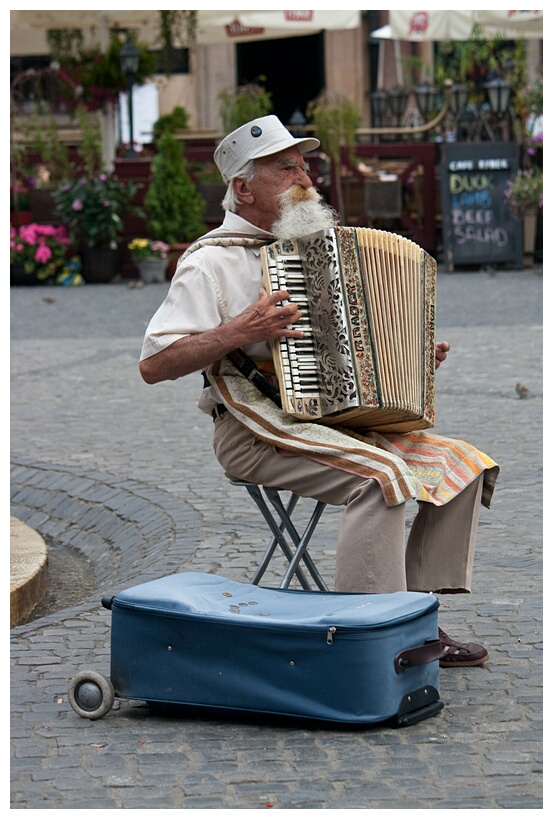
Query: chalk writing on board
point(477, 224)
point(472, 214)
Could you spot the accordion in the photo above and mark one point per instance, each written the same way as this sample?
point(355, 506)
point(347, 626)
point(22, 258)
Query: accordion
point(367, 356)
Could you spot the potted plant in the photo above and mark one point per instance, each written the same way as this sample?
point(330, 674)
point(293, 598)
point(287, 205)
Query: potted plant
point(174, 207)
point(92, 208)
point(244, 104)
point(150, 256)
point(52, 164)
point(94, 70)
point(336, 121)
point(41, 158)
point(177, 120)
point(524, 192)
point(38, 253)
point(524, 198)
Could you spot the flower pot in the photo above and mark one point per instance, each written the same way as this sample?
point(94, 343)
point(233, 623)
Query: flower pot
point(529, 225)
point(152, 270)
point(100, 264)
point(18, 277)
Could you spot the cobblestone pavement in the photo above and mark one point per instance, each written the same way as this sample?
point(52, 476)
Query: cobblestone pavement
point(124, 473)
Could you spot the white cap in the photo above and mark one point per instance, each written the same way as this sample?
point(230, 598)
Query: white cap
point(260, 137)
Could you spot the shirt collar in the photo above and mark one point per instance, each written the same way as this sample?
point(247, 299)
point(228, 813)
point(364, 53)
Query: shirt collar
point(236, 224)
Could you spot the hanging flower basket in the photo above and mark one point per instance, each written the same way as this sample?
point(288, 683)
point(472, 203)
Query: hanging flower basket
point(524, 192)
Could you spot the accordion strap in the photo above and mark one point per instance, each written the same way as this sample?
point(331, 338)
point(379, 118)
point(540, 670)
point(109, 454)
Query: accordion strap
point(224, 239)
point(246, 366)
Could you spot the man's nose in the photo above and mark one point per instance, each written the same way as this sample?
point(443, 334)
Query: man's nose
point(304, 179)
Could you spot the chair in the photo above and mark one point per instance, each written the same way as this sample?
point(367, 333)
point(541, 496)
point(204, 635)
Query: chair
point(283, 531)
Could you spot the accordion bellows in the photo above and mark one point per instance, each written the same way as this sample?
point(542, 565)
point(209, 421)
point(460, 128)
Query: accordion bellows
point(367, 359)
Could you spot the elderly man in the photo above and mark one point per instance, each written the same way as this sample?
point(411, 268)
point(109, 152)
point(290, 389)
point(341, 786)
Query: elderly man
point(216, 304)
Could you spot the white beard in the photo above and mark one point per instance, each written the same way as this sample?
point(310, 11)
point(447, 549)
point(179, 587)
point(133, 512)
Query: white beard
point(303, 212)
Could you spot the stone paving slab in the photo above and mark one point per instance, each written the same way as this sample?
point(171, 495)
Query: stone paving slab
point(124, 473)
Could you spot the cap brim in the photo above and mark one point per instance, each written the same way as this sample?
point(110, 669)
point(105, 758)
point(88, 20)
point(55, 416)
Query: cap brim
point(303, 145)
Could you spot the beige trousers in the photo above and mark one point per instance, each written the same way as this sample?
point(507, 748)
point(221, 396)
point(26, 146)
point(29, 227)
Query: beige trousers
point(371, 555)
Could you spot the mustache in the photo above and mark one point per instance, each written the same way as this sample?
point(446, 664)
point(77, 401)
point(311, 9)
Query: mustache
point(299, 194)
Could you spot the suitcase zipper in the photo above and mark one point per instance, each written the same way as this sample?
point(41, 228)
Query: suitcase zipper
point(332, 630)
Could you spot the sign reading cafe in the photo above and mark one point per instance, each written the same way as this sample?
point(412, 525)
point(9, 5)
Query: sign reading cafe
point(478, 228)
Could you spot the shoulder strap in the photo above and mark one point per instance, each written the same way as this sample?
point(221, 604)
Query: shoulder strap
point(246, 366)
point(224, 239)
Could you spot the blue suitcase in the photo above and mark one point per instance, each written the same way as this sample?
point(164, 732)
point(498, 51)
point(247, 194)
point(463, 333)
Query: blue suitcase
point(205, 641)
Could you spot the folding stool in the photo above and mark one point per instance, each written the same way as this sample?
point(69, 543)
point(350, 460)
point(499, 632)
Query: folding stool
point(283, 530)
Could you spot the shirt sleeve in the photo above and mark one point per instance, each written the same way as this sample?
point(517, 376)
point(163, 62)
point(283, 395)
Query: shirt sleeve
point(192, 305)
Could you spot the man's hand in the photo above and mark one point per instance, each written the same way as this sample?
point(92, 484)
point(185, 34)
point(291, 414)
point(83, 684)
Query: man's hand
point(442, 349)
point(269, 317)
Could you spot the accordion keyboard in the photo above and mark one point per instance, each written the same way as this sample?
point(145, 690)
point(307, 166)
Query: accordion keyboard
point(298, 355)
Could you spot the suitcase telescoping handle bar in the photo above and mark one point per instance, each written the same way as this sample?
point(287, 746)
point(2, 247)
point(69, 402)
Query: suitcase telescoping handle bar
point(419, 655)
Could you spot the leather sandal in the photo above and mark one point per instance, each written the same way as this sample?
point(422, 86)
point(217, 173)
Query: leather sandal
point(460, 654)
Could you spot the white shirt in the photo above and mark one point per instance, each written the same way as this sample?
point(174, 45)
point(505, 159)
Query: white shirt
point(210, 287)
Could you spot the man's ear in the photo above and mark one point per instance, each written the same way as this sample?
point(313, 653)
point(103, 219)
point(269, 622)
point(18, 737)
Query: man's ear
point(242, 190)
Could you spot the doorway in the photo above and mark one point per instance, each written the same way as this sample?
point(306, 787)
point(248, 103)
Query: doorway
point(292, 70)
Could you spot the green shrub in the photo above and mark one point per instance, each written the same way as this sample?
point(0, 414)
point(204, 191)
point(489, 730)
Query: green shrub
point(173, 204)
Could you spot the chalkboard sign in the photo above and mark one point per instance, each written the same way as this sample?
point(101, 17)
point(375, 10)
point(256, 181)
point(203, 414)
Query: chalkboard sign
point(477, 225)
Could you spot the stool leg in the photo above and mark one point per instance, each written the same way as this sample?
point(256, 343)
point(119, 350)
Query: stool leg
point(278, 534)
point(300, 543)
point(302, 553)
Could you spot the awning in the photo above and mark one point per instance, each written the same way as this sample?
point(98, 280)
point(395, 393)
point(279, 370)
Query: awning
point(28, 28)
point(423, 26)
point(243, 26)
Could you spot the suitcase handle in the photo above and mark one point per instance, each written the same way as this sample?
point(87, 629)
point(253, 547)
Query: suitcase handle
point(419, 655)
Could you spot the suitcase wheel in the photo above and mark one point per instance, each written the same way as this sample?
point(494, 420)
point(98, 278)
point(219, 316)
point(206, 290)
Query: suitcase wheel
point(418, 705)
point(91, 695)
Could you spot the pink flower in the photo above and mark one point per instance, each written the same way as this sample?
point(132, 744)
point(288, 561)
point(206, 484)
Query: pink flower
point(77, 204)
point(48, 230)
point(29, 234)
point(43, 254)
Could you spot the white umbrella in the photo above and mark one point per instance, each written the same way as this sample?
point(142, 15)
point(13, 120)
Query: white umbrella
point(424, 26)
point(511, 24)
